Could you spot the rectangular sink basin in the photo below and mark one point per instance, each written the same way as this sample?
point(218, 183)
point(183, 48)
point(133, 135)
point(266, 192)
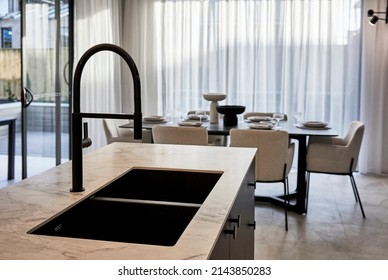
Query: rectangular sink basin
point(162, 185)
point(143, 206)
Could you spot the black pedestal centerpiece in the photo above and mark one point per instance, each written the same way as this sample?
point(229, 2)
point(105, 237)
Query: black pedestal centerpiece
point(230, 113)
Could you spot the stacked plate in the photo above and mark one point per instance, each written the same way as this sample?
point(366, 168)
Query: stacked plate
point(198, 117)
point(154, 119)
point(262, 126)
point(190, 123)
point(313, 125)
point(258, 118)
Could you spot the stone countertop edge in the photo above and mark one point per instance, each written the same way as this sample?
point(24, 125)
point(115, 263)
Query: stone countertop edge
point(30, 202)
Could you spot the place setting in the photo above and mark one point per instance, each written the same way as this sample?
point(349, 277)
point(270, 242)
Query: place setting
point(194, 119)
point(198, 117)
point(260, 122)
point(313, 125)
point(258, 119)
point(190, 123)
point(261, 125)
point(155, 119)
point(265, 122)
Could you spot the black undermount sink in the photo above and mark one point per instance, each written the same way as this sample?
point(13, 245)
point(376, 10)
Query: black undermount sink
point(142, 206)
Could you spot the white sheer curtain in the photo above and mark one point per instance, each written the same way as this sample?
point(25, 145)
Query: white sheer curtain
point(139, 39)
point(374, 152)
point(96, 22)
point(273, 55)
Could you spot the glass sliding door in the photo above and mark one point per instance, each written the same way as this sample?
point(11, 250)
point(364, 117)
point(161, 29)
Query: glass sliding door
point(10, 85)
point(46, 84)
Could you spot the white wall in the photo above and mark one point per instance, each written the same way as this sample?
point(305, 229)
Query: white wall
point(3, 8)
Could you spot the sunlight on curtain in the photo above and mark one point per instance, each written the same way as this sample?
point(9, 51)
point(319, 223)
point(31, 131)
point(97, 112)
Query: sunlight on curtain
point(98, 22)
point(275, 55)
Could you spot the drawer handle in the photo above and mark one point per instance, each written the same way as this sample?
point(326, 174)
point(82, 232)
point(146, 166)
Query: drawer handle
point(253, 225)
point(252, 184)
point(237, 221)
point(232, 232)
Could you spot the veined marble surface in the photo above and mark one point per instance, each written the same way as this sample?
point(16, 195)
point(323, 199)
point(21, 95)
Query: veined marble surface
point(30, 202)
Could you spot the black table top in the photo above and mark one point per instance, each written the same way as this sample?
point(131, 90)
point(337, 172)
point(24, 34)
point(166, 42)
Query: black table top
point(220, 129)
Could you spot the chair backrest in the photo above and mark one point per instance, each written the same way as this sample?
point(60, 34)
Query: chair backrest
point(353, 140)
point(180, 135)
point(214, 140)
point(261, 114)
point(338, 159)
point(115, 133)
point(273, 153)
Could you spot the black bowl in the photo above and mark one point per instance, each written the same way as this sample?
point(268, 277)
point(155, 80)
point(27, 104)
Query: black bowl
point(230, 113)
point(230, 109)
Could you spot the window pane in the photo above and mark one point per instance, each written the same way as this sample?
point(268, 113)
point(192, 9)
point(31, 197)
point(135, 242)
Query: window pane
point(6, 40)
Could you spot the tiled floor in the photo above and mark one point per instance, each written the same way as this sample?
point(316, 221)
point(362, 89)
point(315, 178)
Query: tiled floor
point(41, 152)
point(35, 164)
point(333, 228)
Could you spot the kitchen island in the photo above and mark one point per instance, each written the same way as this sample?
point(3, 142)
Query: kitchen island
point(28, 203)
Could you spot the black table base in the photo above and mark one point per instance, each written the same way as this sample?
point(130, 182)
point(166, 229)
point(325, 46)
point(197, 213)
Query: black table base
point(278, 200)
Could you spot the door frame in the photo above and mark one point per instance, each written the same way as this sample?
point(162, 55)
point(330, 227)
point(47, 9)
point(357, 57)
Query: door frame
point(24, 96)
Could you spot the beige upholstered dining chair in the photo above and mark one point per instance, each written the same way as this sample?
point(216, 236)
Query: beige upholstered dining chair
point(261, 114)
point(179, 135)
point(336, 155)
point(274, 156)
point(213, 140)
point(114, 133)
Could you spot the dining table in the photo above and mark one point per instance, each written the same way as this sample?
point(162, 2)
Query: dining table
point(297, 198)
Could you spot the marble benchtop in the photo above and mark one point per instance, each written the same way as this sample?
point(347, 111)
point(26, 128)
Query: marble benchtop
point(30, 202)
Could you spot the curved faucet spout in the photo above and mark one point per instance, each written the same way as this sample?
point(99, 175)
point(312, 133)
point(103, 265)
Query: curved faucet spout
point(88, 54)
point(77, 143)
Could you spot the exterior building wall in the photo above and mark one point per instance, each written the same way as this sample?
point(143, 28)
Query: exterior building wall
point(14, 24)
point(10, 74)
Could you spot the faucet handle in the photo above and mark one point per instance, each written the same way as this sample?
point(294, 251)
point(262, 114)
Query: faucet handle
point(86, 141)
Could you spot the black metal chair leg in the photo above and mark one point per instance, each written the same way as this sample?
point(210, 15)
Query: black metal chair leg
point(357, 194)
point(353, 187)
point(287, 201)
point(351, 175)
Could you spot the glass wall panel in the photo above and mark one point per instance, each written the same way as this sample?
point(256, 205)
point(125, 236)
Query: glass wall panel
point(34, 85)
point(46, 82)
point(10, 88)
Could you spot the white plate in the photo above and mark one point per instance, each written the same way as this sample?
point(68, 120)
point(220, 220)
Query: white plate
point(299, 125)
point(197, 117)
point(271, 122)
point(262, 126)
point(193, 124)
point(258, 118)
point(153, 118)
point(314, 124)
point(155, 122)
